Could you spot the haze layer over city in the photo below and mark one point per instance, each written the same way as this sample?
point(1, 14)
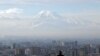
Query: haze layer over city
point(50, 19)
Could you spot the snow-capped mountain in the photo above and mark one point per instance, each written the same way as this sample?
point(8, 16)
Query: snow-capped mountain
point(48, 18)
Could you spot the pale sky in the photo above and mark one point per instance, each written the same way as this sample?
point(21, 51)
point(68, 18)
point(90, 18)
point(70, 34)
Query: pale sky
point(50, 17)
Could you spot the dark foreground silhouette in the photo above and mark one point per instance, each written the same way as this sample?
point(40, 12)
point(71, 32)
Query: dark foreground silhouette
point(60, 53)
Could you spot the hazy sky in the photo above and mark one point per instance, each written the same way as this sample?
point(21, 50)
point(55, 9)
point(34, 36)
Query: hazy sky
point(20, 17)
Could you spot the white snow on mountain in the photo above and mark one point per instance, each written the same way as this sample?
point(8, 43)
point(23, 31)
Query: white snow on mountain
point(44, 18)
point(53, 19)
point(49, 23)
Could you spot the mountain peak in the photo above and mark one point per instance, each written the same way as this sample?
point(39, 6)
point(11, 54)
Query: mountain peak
point(48, 18)
point(45, 13)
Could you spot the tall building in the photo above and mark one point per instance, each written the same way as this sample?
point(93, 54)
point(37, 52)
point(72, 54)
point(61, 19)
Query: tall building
point(28, 52)
point(36, 50)
point(19, 52)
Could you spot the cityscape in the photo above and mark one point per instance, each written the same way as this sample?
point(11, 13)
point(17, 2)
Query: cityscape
point(49, 48)
point(49, 27)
